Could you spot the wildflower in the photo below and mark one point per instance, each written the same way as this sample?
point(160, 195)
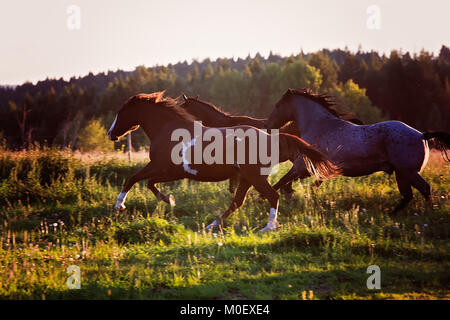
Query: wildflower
point(364, 210)
point(425, 225)
point(219, 244)
point(55, 224)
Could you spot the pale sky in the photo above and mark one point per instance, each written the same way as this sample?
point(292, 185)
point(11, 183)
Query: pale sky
point(35, 41)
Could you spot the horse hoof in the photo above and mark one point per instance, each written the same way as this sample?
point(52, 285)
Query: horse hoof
point(270, 227)
point(212, 225)
point(120, 207)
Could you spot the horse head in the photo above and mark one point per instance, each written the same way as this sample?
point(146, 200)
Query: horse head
point(151, 111)
point(282, 113)
point(126, 120)
point(202, 110)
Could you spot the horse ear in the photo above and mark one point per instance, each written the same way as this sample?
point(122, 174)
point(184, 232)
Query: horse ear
point(197, 97)
point(185, 97)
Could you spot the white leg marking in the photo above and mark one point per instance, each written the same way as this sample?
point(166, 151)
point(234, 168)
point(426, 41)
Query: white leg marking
point(272, 224)
point(214, 224)
point(121, 200)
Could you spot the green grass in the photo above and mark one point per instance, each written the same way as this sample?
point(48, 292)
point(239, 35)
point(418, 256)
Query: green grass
point(56, 211)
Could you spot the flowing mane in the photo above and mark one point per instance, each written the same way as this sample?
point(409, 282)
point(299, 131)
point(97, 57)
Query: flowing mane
point(158, 99)
point(211, 106)
point(326, 101)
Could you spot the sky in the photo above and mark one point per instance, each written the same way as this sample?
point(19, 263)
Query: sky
point(40, 39)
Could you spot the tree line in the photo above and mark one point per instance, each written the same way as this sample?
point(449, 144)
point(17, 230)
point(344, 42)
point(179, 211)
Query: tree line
point(75, 113)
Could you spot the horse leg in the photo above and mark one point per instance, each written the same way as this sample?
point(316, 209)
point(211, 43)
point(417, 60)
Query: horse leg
point(313, 187)
point(287, 178)
point(170, 199)
point(404, 186)
point(316, 184)
point(420, 184)
point(238, 200)
point(158, 178)
point(140, 175)
point(287, 190)
point(233, 181)
point(265, 189)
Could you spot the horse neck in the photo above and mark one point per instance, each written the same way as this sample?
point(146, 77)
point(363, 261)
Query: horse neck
point(211, 118)
point(244, 120)
point(153, 124)
point(313, 119)
point(215, 118)
point(291, 128)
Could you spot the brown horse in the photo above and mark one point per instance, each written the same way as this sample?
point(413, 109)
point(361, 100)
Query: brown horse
point(212, 116)
point(165, 123)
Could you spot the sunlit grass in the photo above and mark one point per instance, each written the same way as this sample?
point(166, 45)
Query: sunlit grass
point(327, 238)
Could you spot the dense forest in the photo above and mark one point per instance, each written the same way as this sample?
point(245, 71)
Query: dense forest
point(411, 88)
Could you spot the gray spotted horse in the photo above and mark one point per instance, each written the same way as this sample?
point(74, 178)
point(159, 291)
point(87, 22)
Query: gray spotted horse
point(389, 146)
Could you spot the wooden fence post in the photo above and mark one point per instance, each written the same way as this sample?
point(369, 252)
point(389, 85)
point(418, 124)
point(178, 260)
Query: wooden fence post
point(129, 147)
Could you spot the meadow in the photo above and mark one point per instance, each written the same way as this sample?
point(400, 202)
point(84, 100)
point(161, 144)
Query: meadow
point(56, 210)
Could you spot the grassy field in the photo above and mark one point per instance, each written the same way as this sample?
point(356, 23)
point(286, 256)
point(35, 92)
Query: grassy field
point(56, 211)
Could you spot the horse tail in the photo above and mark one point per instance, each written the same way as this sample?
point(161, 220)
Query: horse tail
point(441, 141)
point(316, 162)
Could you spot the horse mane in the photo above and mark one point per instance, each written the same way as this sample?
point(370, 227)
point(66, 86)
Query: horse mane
point(157, 98)
point(211, 106)
point(328, 102)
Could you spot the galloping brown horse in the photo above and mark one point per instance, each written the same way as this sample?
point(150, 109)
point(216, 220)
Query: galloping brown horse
point(212, 116)
point(164, 122)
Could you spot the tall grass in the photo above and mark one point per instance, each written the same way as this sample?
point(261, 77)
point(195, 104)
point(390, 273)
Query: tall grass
point(56, 209)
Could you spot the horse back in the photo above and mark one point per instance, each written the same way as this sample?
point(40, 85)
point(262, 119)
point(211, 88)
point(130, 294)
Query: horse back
point(384, 144)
